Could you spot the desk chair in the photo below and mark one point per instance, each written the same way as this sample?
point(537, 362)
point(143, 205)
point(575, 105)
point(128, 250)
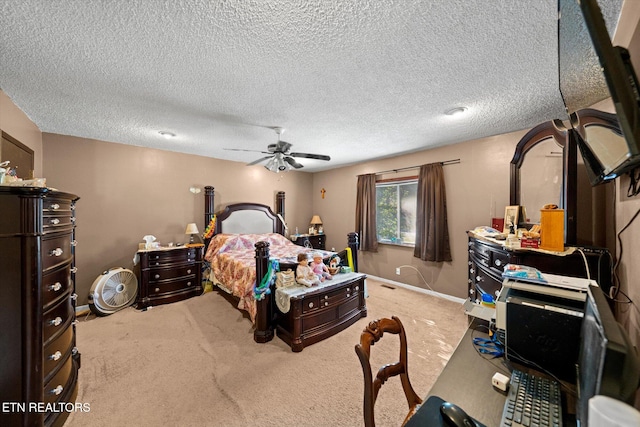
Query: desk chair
point(371, 335)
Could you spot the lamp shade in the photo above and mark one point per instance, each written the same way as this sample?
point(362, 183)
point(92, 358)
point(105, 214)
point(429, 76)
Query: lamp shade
point(316, 220)
point(191, 229)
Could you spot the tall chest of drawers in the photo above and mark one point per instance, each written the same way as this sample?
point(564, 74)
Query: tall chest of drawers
point(39, 360)
point(168, 275)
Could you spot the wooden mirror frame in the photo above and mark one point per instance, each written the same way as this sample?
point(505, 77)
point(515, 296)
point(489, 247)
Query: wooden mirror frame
point(567, 139)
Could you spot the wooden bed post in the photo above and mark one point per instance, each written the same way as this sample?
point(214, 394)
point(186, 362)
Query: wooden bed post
point(354, 244)
point(264, 325)
point(209, 197)
point(280, 203)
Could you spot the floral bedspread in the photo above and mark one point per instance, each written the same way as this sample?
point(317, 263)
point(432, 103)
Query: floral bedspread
point(233, 264)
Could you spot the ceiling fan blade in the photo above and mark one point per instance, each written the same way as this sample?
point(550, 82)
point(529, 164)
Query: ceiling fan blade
point(292, 162)
point(311, 156)
point(255, 162)
point(282, 146)
point(251, 151)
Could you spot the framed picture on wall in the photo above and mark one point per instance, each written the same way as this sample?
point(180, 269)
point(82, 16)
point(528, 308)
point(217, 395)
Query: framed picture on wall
point(511, 218)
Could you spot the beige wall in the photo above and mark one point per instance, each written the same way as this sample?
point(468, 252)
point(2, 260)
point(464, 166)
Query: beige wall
point(477, 189)
point(127, 192)
point(16, 123)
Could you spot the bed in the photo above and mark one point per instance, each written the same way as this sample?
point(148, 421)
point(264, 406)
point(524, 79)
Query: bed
point(246, 236)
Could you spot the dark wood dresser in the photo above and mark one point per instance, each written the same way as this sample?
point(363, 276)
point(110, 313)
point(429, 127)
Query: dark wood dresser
point(315, 241)
point(168, 275)
point(39, 360)
point(488, 258)
point(317, 313)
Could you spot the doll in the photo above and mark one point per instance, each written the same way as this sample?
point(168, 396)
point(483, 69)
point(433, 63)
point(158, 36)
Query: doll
point(319, 268)
point(304, 274)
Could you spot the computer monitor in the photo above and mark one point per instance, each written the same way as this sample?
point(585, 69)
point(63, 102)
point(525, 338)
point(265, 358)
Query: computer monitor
point(608, 363)
point(583, 38)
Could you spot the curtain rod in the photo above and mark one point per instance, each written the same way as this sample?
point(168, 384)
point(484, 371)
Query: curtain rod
point(446, 162)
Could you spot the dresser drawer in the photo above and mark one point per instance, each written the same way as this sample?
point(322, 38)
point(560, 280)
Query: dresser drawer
point(168, 273)
point(160, 288)
point(60, 381)
point(158, 258)
point(56, 352)
point(56, 251)
point(56, 320)
point(53, 205)
point(55, 284)
point(310, 304)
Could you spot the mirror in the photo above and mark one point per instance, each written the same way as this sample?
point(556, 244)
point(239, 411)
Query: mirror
point(541, 178)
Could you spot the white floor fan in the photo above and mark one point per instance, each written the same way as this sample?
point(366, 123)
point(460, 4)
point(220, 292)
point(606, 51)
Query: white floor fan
point(113, 290)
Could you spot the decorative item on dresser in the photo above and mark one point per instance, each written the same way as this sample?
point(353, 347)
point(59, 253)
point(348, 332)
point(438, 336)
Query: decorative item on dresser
point(39, 360)
point(168, 275)
point(317, 241)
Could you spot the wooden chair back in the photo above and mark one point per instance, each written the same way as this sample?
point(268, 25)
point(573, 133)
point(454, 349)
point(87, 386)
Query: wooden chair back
point(371, 335)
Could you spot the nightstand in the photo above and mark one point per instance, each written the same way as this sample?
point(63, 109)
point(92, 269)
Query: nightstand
point(317, 241)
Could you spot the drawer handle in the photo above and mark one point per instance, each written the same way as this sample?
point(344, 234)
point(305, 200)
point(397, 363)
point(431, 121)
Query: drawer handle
point(472, 291)
point(326, 297)
point(498, 263)
point(326, 303)
point(310, 305)
point(75, 322)
point(357, 288)
point(56, 322)
point(55, 287)
point(471, 270)
point(157, 289)
point(157, 276)
point(478, 279)
point(468, 280)
point(55, 206)
point(74, 243)
point(74, 296)
point(55, 221)
point(188, 283)
point(348, 295)
point(470, 243)
point(57, 390)
point(74, 350)
point(55, 356)
point(188, 271)
point(348, 289)
point(74, 270)
point(73, 219)
point(56, 252)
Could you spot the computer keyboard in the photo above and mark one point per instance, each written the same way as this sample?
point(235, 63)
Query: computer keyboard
point(533, 401)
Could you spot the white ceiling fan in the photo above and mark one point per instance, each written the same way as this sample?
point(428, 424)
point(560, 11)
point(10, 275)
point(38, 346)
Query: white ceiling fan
point(280, 157)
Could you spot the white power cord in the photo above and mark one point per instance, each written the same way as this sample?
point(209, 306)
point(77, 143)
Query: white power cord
point(420, 274)
point(586, 264)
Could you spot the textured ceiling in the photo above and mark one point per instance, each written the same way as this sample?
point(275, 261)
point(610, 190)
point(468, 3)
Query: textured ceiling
point(356, 80)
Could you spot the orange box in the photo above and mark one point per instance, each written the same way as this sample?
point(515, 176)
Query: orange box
point(552, 229)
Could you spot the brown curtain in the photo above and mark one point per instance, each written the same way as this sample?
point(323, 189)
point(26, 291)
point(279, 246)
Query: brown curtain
point(366, 212)
point(432, 232)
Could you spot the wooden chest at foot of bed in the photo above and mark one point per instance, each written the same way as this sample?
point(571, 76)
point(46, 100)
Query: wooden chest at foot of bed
point(320, 312)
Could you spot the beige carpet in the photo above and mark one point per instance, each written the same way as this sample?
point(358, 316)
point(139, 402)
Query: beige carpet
point(194, 363)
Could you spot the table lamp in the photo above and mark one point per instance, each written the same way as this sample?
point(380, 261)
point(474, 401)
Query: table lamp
point(316, 224)
point(192, 229)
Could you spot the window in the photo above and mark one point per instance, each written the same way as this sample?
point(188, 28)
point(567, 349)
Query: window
point(396, 212)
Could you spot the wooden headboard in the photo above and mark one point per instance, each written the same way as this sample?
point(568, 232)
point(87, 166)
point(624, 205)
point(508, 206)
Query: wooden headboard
point(245, 218)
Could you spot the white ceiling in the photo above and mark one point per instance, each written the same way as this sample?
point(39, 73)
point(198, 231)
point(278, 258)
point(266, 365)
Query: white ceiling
point(356, 80)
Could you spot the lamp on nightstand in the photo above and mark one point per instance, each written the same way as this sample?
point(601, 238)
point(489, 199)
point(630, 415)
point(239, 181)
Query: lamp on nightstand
point(192, 229)
point(316, 225)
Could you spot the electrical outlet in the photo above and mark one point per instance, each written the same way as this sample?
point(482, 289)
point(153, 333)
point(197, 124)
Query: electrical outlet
point(398, 270)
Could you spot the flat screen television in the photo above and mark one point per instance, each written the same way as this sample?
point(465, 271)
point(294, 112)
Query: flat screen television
point(608, 363)
point(583, 37)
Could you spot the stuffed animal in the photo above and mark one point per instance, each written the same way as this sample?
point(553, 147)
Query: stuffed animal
point(334, 264)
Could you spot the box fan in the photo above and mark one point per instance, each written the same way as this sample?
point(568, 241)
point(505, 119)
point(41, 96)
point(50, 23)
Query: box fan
point(113, 290)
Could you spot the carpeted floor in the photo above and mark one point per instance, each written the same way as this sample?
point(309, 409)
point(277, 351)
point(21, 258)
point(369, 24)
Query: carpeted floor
point(194, 363)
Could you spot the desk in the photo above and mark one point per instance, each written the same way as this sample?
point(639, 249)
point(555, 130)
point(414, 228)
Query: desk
point(466, 381)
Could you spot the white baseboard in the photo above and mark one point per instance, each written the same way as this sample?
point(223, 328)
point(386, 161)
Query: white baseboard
point(82, 308)
point(417, 289)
